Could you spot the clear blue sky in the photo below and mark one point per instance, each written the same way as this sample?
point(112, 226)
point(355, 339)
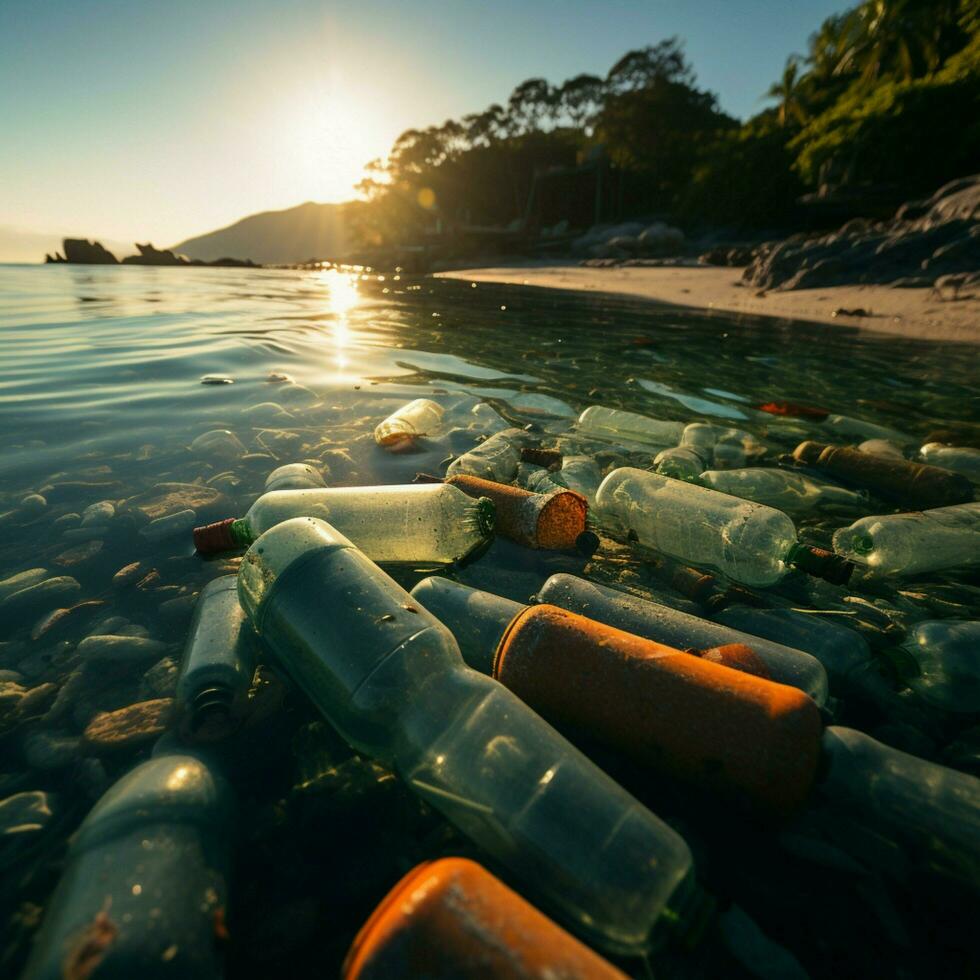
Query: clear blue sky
point(127, 119)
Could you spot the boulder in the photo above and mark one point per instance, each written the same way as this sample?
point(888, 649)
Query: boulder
point(84, 252)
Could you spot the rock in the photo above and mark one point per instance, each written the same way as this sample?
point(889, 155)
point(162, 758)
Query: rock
point(39, 662)
point(177, 611)
point(98, 514)
point(278, 378)
point(32, 505)
point(23, 817)
point(35, 599)
point(217, 379)
point(70, 519)
point(218, 444)
point(148, 255)
point(79, 554)
point(10, 675)
point(169, 498)
point(170, 526)
point(120, 649)
point(84, 252)
point(160, 681)
point(128, 575)
point(91, 533)
point(51, 750)
point(126, 728)
point(22, 580)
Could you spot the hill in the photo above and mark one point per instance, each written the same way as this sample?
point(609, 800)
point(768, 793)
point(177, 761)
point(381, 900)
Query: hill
point(307, 231)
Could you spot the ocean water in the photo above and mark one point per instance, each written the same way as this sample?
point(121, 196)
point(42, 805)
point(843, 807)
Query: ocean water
point(102, 399)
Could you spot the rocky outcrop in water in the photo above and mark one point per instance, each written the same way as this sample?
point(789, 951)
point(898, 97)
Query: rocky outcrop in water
point(82, 251)
point(927, 243)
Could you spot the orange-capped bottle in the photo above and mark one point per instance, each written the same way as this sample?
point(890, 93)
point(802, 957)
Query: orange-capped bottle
point(453, 920)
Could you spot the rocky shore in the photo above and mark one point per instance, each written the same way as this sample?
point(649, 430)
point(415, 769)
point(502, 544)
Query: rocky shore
point(80, 251)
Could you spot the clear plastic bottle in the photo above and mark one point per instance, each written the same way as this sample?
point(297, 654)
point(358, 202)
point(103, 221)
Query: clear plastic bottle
point(750, 543)
point(218, 664)
point(960, 459)
point(415, 420)
point(681, 630)
point(496, 458)
point(921, 541)
point(722, 447)
point(680, 463)
point(294, 476)
point(947, 657)
point(851, 428)
point(416, 523)
point(794, 493)
point(615, 425)
point(581, 474)
point(537, 479)
point(389, 677)
point(145, 879)
point(882, 447)
point(930, 812)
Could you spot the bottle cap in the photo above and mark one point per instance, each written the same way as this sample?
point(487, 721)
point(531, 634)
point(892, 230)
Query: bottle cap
point(209, 539)
point(821, 563)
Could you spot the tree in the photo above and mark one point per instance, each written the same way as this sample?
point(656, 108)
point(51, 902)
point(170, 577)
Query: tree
point(580, 99)
point(787, 92)
point(529, 103)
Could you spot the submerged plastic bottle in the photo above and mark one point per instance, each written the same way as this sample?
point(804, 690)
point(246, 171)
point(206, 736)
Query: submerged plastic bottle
point(294, 476)
point(218, 664)
point(751, 543)
point(681, 630)
point(581, 474)
point(912, 484)
point(143, 890)
point(946, 655)
point(690, 717)
point(415, 420)
point(932, 813)
point(389, 677)
point(681, 463)
point(793, 493)
point(433, 523)
point(922, 541)
point(960, 459)
point(451, 920)
point(615, 425)
point(722, 447)
point(494, 459)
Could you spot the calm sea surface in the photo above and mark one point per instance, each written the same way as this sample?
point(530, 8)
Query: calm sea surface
point(101, 398)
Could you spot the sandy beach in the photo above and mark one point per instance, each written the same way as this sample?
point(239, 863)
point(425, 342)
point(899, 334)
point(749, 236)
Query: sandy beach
point(913, 313)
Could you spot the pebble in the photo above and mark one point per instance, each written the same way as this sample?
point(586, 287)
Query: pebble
point(98, 513)
point(120, 649)
point(180, 608)
point(168, 498)
point(32, 505)
point(278, 378)
point(78, 554)
point(160, 681)
point(71, 519)
point(128, 575)
point(36, 599)
point(51, 750)
point(170, 526)
point(21, 580)
point(22, 817)
point(218, 444)
point(40, 661)
point(89, 533)
point(127, 727)
point(217, 379)
point(53, 622)
point(109, 625)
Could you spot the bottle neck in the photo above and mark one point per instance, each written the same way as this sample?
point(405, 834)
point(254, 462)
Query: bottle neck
point(240, 533)
point(820, 563)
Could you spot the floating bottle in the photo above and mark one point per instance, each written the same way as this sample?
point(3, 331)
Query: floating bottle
point(681, 630)
point(294, 476)
point(750, 543)
point(946, 656)
point(959, 459)
point(413, 421)
point(615, 425)
point(689, 716)
point(143, 892)
point(494, 459)
point(793, 493)
point(722, 447)
point(911, 484)
point(428, 524)
point(922, 541)
point(218, 664)
point(537, 479)
point(389, 677)
point(681, 463)
point(581, 474)
point(554, 520)
point(930, 812)
point(451, 920)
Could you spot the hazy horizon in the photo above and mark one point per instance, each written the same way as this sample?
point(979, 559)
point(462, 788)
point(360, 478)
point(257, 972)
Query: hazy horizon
point(124, 122)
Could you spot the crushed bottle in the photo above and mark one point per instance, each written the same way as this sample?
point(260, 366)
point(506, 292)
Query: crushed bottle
point(495, 459)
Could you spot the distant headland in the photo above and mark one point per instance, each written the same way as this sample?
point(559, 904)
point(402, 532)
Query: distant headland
point(80, 251)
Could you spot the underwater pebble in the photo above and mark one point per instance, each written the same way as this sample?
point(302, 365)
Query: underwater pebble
point(127, 575)
point(160, 681)
point(78, 554)
point(218, 444)
point(22, 580)
point(170, 526)
point(278, 377)
point(35, 599)
point(217, 379)
point(120, 649)
point(86, 533)
point(98, 513)
point(22, 817)
point(174, 611)
point(51, 750)
point(38, 662)
point(71, 519)
point(108, 626)
point(32, 505)
point(169, 498)
point(130, 726)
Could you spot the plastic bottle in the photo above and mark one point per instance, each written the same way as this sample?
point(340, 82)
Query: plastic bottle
point(721, 446)
point(143, 891)
point(882, 447)
point(930, 812)
point(218, 664)
point(415, 420)
point(430, 524)
point(294, 476)
point(946, 655)
point(681, 630)
point(494, 459)
point(389, 677)
point(912, 484)
point(960, 459)
point(690, 717)
point(680, 463)
point(851, 428)
point(451, 920)
point(615, 425)
point(581, 474)
point(537, 479)
point(922, 541)
point(751, 543)
point(793, 493)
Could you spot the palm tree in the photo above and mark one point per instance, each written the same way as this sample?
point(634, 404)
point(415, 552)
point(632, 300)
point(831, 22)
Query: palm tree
point(786, 91)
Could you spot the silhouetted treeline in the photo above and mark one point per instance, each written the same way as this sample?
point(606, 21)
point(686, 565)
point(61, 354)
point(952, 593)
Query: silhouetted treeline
point(888, 94)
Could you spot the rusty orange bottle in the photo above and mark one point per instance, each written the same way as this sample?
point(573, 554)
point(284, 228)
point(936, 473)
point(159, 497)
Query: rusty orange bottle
point(453, 920)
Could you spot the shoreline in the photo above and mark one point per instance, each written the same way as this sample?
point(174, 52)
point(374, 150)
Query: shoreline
point(915, 314)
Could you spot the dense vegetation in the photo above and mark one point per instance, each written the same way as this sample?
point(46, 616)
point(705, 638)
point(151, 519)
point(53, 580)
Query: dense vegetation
point(888, 95)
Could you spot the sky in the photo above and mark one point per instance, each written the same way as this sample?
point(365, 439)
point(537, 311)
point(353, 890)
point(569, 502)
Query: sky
point(130, 119)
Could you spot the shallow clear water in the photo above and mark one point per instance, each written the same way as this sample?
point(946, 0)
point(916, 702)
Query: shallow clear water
point(101, 396)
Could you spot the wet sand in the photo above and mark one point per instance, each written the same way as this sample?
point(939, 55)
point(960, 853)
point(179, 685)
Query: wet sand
point(912, 313)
